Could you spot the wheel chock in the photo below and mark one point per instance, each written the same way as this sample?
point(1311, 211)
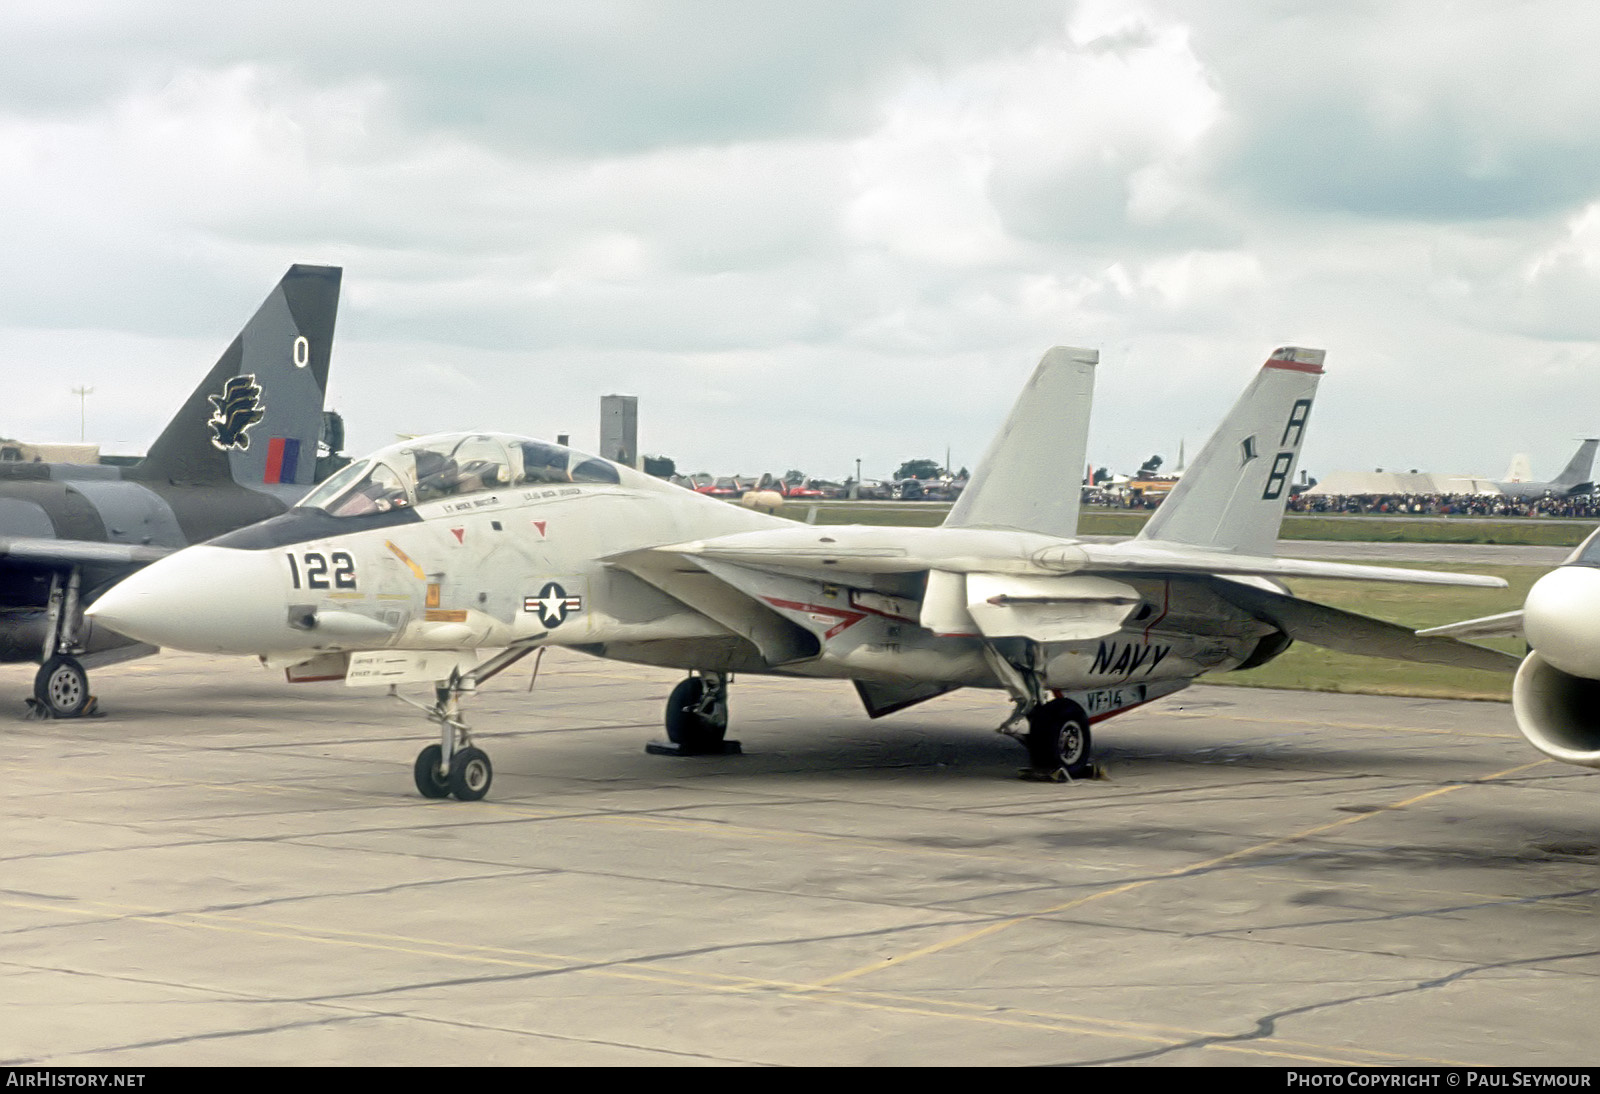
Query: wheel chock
point(673, 748)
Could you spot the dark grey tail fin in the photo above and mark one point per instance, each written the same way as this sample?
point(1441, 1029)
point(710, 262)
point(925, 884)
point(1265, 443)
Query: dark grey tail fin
point(1579, 467)
point(256, 417)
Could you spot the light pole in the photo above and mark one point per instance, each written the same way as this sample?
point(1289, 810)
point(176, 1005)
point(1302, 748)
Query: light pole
point(83, 394)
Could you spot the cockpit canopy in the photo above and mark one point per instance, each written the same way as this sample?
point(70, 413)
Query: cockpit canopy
point(447, 465)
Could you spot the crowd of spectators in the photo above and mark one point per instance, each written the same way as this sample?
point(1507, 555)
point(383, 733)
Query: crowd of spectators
point(1585, 506)
point(1448, 505)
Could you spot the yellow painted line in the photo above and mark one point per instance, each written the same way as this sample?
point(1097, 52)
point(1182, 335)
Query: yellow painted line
point(403, 557)
point(715, 828)
point(1005, 924)
point(1016, 1018)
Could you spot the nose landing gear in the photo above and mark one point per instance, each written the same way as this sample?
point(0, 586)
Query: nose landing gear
point(454, 767)
point(61, 687)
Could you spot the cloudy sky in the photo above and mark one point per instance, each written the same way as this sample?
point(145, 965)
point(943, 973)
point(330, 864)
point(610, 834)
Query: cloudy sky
point(807, 233)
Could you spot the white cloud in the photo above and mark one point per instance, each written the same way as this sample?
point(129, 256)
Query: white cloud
point(825, 232)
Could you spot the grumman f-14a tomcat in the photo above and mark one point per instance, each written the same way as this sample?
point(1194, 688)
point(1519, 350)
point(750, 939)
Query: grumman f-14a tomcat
point(406, 564)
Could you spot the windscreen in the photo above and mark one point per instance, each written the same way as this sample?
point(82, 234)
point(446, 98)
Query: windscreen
point(449, 466)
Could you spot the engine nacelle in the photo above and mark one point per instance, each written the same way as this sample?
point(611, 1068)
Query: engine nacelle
point(1558, 712)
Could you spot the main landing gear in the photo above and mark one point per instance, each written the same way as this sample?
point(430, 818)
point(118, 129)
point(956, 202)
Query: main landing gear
point(455, 767)
point(1057, 740)
point(61, 687)
point(696, 719)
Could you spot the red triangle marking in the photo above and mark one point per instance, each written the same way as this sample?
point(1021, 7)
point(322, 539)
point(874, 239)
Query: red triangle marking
point(460, 534)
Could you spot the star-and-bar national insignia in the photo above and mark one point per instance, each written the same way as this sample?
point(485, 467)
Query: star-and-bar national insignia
point(553, 604)
point(237, 409)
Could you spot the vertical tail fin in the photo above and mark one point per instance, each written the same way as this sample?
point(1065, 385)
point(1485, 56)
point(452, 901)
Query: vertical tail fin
point(1580, 466)
point(256, 417)
point(1026, 478)
point(1232, 496)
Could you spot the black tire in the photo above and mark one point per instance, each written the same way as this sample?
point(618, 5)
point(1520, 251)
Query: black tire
point(62, 686)
point(1059, 740)
point(686, 726)
point(470, 774)
point(430, 784)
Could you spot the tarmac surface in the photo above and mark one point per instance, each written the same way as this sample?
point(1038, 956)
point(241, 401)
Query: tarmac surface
point(228, 869)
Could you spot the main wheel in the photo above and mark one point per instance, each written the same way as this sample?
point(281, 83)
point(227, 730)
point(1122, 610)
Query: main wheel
point(470, 774)
point(62, 686)
point(1058, 739)
point(686, 726)
point(430, 783)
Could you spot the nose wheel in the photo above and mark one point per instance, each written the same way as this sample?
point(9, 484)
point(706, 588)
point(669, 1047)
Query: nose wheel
point(453, 767)
point(61, 689)
point(466, 777)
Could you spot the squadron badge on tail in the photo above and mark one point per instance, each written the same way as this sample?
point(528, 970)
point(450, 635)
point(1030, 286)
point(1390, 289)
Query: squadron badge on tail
point(238, 408)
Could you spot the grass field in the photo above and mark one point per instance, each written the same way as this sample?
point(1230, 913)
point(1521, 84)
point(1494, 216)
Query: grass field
point(1538, 532)
point(1309, 668)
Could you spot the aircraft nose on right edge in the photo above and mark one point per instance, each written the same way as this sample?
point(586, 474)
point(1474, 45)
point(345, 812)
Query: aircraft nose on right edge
point(205, 599)
point(1561, 619)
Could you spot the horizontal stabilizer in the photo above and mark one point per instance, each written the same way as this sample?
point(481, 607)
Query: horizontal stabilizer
point(1028, 479)
point(1346, 632)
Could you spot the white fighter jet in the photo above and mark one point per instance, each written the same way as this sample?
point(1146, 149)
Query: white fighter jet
point(406, 564)
point(1555, 696)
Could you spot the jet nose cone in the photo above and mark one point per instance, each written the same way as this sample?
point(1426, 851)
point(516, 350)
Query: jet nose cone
point(205, 599)
point(1562, 619)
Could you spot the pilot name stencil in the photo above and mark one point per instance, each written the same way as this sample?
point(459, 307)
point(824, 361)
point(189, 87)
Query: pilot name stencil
point(1126, 658)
